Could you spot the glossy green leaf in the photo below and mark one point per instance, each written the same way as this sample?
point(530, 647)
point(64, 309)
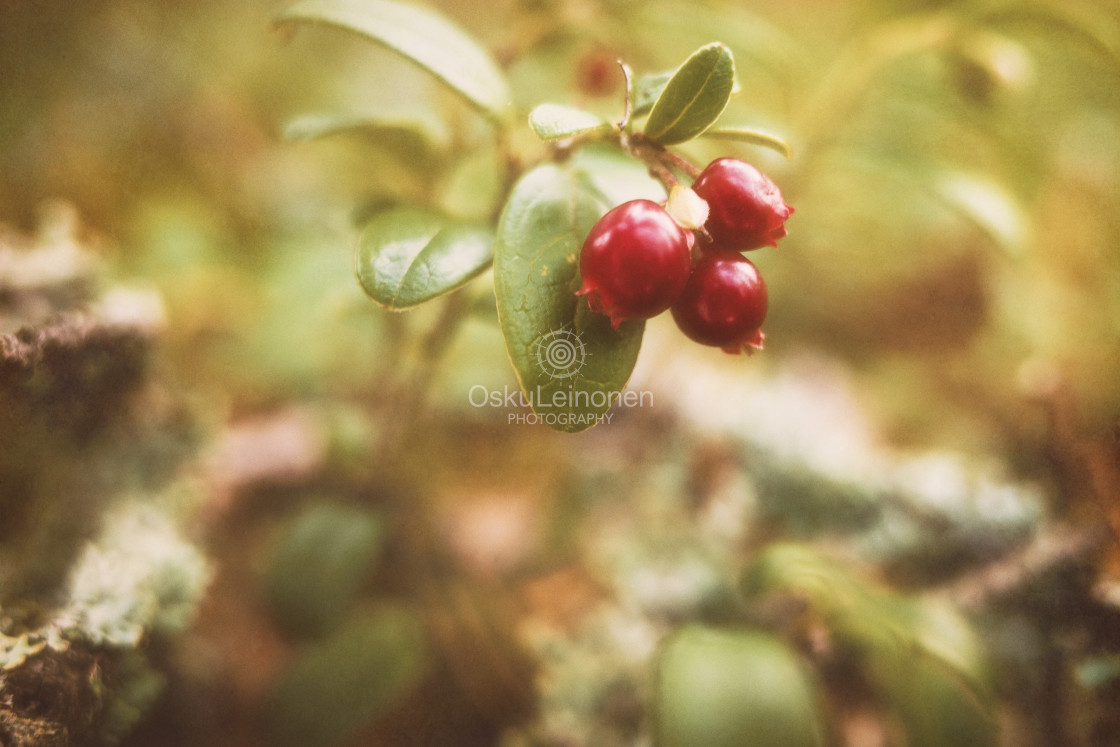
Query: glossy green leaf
point(553, 122)
point(694, 97)
point(422, 36)
point(407, 256)
point(571, 365)
point(753, 137)
point(727, 688)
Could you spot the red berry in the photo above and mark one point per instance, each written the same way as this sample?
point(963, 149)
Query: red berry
point(635, 262)
point(724, 302)
point(745, 208)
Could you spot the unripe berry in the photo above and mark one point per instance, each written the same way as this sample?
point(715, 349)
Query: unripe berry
point(724, 302)
point(745, 208)
point(635, 262)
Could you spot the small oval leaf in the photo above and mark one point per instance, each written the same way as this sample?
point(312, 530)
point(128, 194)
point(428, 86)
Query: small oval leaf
point(753, 137)
point(571, 365)
point(407, 256)
point(553, 122)
point(694, 98)
point(420, 35)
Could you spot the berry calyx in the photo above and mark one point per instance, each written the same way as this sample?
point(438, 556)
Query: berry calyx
point(745, 208)
point(635, 262)
point(724, 302)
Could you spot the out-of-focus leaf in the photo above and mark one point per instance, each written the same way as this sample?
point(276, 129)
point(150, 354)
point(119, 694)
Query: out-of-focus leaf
point(753, 137)
point(1095, 27)
point(920, 655)
point(930, 702)
point(987, 205)
point(694, 97)
point(646, 90)
point(420, 35)
point(617, 176)
point(318, 566)
point(570, 363)
point(334, 688)
point(407, 256)
point(554, 122)
point(314, 126)
point(727, 688)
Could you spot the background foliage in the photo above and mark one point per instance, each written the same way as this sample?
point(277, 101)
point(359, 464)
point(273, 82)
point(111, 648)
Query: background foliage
point(901, 515)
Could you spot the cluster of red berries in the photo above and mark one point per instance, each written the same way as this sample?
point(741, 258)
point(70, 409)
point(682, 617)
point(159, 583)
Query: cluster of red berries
point(638, 261)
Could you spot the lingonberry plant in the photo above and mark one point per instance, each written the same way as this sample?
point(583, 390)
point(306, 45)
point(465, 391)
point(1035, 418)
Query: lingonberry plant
point(576, 244)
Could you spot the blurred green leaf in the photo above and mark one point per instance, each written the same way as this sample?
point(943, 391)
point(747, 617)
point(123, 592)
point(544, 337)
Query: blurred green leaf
point(420, 35)
point(930, 702)
point(986, 204)
point(694, 97)
point(318, 566)
point(1092, 25)
point(553, 122)
point(548, 215)
point(314, 126)
point(753, 137)
point(334, 688)
point(921, 655)
point(728, 688)
point(616, 176)
point(647, 88)
point(407, 256)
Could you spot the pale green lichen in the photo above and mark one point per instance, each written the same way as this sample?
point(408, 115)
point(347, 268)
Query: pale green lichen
point(139, 576)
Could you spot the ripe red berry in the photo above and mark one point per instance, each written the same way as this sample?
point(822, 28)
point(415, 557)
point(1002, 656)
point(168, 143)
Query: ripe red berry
point(745, 208)
point(724, 302)
point(635, 262)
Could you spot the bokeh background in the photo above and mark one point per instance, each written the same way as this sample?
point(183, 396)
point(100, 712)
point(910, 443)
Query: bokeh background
point(240, 504)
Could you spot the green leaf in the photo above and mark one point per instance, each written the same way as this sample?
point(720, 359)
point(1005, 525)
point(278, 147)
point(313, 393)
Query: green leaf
point(753, 137)
point(553, 122)
point(334, 687)
point(986, 204)
point(646, 90)
point(407, 256)
point(570, 363)
point(420, 35)
point(319, 565)
point(726, 688)
point(694, 97)
point(315, 126)
point(616, 175)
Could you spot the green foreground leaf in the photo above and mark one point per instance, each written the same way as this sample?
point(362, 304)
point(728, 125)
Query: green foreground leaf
point(694, 98)
point(571, 365)
point(554, 122)
point(422, 36)
point(407, 256)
